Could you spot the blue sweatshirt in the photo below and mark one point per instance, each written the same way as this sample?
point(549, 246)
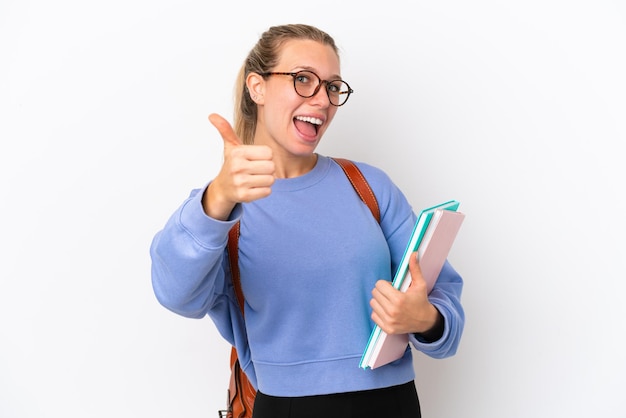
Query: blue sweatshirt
point(309, 256)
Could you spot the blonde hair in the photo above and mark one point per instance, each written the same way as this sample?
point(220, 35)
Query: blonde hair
point(262, 58)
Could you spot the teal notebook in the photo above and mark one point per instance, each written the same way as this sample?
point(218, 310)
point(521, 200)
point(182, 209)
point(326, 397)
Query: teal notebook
point(399, 281)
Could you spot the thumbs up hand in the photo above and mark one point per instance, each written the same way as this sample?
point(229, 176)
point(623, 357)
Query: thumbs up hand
point(247, 173)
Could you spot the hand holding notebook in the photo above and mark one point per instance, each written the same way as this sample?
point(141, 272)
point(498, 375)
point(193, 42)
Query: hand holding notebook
point(432, 238)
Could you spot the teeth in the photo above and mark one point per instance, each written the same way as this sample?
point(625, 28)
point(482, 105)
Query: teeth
point(314, 121)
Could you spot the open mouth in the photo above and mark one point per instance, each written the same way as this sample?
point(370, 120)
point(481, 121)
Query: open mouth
point(307, 125)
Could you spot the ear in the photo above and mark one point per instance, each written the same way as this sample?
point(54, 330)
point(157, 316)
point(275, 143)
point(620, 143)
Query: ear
point(256, 87)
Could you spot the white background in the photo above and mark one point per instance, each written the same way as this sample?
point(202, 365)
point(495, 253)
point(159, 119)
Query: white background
point(517, 109)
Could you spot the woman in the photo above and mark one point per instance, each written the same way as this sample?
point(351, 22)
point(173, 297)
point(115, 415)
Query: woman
point(315, 265)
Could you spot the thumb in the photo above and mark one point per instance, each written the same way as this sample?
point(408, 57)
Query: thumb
point(225, 130)
point(414, 262)
point(415, 271)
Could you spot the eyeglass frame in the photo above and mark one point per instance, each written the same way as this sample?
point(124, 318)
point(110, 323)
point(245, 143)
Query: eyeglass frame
point(319, 84)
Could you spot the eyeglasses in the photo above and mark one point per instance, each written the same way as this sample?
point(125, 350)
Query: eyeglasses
point(307, 84)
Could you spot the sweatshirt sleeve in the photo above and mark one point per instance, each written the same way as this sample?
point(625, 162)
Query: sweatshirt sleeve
point(446, 296)
point(188, 260)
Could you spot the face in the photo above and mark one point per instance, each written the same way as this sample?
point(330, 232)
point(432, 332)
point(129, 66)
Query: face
point(287, 122)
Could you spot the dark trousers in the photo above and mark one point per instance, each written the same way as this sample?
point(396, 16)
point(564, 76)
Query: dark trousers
point(394, 402)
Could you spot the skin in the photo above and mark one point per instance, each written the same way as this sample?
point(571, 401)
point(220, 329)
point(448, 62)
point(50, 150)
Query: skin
point(280, 150)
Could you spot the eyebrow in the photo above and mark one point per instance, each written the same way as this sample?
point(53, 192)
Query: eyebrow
point(306, 68)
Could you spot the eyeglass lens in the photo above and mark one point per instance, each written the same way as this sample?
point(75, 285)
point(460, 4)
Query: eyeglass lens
point(307, 84)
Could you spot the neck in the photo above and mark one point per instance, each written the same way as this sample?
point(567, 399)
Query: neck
point(294, 166)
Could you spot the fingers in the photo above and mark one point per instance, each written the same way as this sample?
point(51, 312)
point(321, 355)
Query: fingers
point(385, 308)
point(383, 298)
point(397, 311)
point(384, 290)
point(225, 130)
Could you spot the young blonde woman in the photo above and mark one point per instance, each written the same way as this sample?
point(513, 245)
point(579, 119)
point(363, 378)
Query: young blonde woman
point(315, 265)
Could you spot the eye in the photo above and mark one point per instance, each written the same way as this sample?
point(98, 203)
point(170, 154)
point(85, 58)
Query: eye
point(336, 86)
point(304, 77)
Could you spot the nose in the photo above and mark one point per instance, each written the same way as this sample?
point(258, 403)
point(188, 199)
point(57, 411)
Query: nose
point(321, 96)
